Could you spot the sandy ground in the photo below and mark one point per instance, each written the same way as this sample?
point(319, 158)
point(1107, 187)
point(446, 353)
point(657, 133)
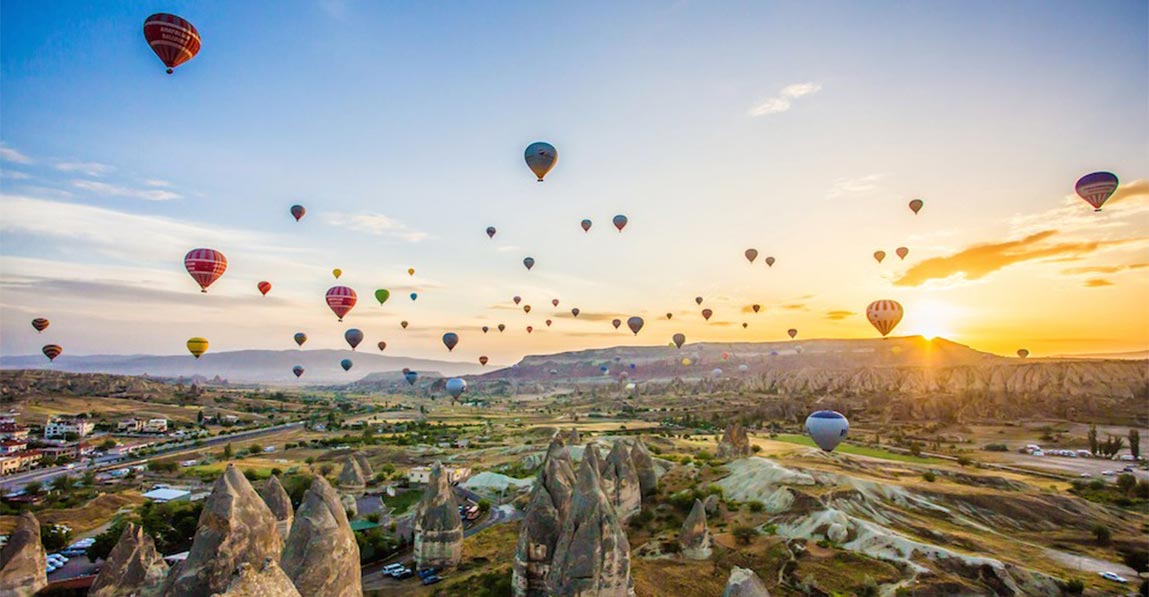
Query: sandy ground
point(1074, 466)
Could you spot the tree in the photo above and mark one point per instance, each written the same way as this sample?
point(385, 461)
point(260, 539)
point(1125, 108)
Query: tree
point(54, 537)
point(227, 452)
point(105, 541)
point(1094, 447)
point(1126, 483)
point(1138, 560)
point(199, 418)
point(33, 488)
point(62, 483)
point(1102, 534)
point(108, 444)
point(1111, 446)
point(744, 534)
point(1135, 443)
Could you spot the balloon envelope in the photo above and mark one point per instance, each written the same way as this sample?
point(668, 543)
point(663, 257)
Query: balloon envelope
point(1096, 188)
point(616, 323)
point(541, 157)
point(679, 340)
point(902, 252)
point(669, 315)
point(40, 324)
point(751, 255)
point(555, 302)
point(353, 337)
point(197, 346)
point(502, 327)
point(483, 360)
point(297, 370)
point(298, 211)
point(346, 364)
point(575, 311)
point(916, 205)
point(410, 271)
point(879, 256)
point(526, 308)
point(173, 39)
point(403, 324)
point(792, 332)
point(382, 295)
point(529, 262)
point(410, 376)
point(455, 387)
point(336, 272)
point(264, 287)
point(450, 339)
point(517, 299)
point(635, 324)
point(414, 295)
point(706, 313)
point(300, 338)
point(619, 222)
point(486, 329)
point(1021, 352)
point(586, 224)
point(884, 315)
point(827, 428)
point(382, 345)
point(341, 300)
point(490, 232)
point(52, 351)
point(756, 308)
point(205, 266)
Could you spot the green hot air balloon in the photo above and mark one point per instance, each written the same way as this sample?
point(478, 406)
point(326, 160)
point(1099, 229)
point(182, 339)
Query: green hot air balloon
point(382, 295)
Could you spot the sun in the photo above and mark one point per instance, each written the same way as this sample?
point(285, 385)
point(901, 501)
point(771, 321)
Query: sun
point(932, 319)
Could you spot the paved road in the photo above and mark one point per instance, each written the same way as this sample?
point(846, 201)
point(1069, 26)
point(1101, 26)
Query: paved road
point(45, 476)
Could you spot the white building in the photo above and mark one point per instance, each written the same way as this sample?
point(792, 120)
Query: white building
point(156, 426)
point(166, 494)
point(422, 474)
point(129, 426)
point(58, 427)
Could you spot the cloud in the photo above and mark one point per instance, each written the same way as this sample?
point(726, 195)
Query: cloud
point(1074, 215)
point(794, 306)
point(8, 154)
point(1097, 282)
point(89, 168)
point(861, 185)
point(838, 315)
point(377, 224)
point(784, 100)
point(583, 315)
point(13, 175)
point(1103, 269)
point(1136, 190)
point(978, 261)
point(112, 190)
point(155, 182)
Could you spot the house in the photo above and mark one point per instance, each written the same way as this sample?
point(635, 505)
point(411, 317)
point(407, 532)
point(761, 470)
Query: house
point(10, 430)
point(18, 461)
point(61, 426)
point(167, 494)
point(228, 420)
point(129, 426)
point(72, 451)
point(156, 426)
point(11, 446)
point(422, 474)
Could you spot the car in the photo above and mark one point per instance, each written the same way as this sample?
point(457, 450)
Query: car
point(404, 573)
point(1128, 469)
point(1086, 475)
point(1108, 473)
point(396, 566)
point(427, 572)
point(432, 579)
point(1113, 576)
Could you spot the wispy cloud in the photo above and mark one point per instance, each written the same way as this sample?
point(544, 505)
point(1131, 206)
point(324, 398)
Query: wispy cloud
point(1102, 269)
point(7, 154)
point(13, 175)
point(785, 99)
point(89, 168)
point(1098, 282)
point(838, 315)
point(112, 190)
point(377, 224)
point(155, 182)
point(1073, 215)
point(861, 185)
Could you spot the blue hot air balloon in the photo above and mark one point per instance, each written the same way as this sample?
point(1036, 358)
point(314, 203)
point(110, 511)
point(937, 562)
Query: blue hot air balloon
point(414, 295)
point(346, 364)
point(827, 428)
point(450, 339)
point(541, 157)
point(455, 387)
point(411, 377)
point(353, 337)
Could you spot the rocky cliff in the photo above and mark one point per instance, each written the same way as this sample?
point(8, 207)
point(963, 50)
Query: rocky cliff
point(351, 478)
point(133, 569)
point(734, 442)
point(267, 580)
point(277, 500)
point(644, 468)
point(543, 523)
point(438, 526)
point(694, 538)
point(620, 482)
point(23, 565)
point(321, 556)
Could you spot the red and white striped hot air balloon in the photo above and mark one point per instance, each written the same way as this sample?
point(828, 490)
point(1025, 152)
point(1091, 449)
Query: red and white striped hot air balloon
point(341, 299)
point(884, 315)
point(205, 266)
point(172, 38)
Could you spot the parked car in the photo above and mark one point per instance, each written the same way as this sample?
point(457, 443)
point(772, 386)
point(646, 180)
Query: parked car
point(389, 568)
point(404, 573)
point(428, 572)
point(1129, 469)
point(1108, 473)
point(1086, 475)
point(1113, 576)
point(432, 579)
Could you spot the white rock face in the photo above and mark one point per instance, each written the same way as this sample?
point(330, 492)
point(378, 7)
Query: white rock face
point(438, 526)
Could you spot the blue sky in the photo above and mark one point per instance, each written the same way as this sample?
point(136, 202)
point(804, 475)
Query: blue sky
point(800, 129)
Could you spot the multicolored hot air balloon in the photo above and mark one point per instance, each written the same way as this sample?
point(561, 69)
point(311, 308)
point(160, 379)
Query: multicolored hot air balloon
point(40, 324)
point(205, 266)
point(916, 205)
point(264, 287)
point(541, 157)
point(297, 370)
point(884, 315)
point(635, 324)
point(382, 346)
point(341, 300)
point(1096, 188)
point(619, 222)
point(197, 346)
point(575, 311)
point(770, 262)
point(346, 364)
point(483, 360)
point(336, 272)
point(173, 39)
point(529, 262)
point(827, 428)
point(679, 340)
point(1021, 352)
point(353, 337)
point(879, 256)
point(616, 323)
point(902, 252)
point(52, 351)
point(382, 295)
point(450, 339)
point(751, 255)
point(586, 224)
point(300, 338)
point(298, 211)
point(706, 313)
point(491, 232)
point(455, 387)
point(792, 332)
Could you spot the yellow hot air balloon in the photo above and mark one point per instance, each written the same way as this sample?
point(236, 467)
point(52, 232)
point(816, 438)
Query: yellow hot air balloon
point(336, 272)
point(686, 362)
point(197, 346)
point(410, 271)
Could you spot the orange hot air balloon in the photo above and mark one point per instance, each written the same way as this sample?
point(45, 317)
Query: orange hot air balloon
point(205, 266)
point(173, 39)
point(410, 271)
point(756, 308)
point(1021, 352)
point(403, 324)
point(52, 351)
point(884, 315)
point(40, 324)
point(902, 252)
point(555, 302)
point(879, 256)
point(341, 299)
point(792, 332)
point(706, 313)
point(916, 205)
point(751, 255)
point(526, 308)
point(616, 323)
point(264, 287)
point(483, 360)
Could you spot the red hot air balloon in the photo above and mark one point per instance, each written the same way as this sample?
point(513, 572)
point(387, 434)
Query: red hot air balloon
point(902, 252)
point(483, 360)
point(792, 332)
point(341, 299)
point(205, 266)
point(264, 287)
point(40, 324)
point(575, 311)
point(173, 39)
point(616, 323)
point(530, 329)
point(382, 345)
point(706, 313)
point(916, 205)
point(298, 211)
point(770, 261)
point(555, 302)
point(52, 351)
point(756, 308)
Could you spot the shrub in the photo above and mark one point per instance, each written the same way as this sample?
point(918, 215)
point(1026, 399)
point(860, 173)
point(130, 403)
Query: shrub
point(930, 477)
point(756, 449)
point(756, 506)
point(1138, 560)
point(964, 461)
point(1074, 586)
point(1102, 534)
point(996, 448)
point(744, 534)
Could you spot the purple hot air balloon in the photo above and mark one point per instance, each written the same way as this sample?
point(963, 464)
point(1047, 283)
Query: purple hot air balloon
point(1096, 188)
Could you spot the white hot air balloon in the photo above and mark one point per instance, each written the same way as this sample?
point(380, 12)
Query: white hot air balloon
point(827, 428)
point(455, 387)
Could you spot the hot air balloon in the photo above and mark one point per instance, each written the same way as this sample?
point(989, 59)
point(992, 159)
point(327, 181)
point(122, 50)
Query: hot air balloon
point(300, 338)
point(297, 370)
point(382, 295)
point(264, 287)
point(827, 428)
point(336, 272)
point(353, 337)
point(555, 302)
point(526, 308)
point(1096, 188)
point(725, 356)
point(716, 372)
point(346, 364)
point(743, 367)
point(456, 386)
point(756, 308)
point(916, 205)
point(530, 329)
point(706, 313)
point(635, 324)
point(529, 262)
point(298, 211)
point(745, 325)
point(770, 261)
point(619, 222)
point(205, 266)
point(483, 360)
point(341, 299)
point(52, 351)
point(902, 252)
point(403, 324)
point(603, 368)
point(490, 232)
point(670, 315)
point(1021, 352)
point(450, 339)
point(616, 323)
point(410, 271)
point(541, 157)
point(792, 333)
point(414, 295)
point(410, 376)
point(575, 311)
point(751, 255)
point(698, 300)
point(517, 299)
point(586, 224)
point(197, 346)
point(40, 324)
point(679, 340)
point(173, 39)
point(502, 327)
point(382, 346)
point(879, 256)
point(548, 322)
point(884, 315)
point(485, 329)
point(686, 362)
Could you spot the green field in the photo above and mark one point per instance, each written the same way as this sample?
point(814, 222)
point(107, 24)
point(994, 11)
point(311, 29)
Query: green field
point(402, 501)
point(844, 448)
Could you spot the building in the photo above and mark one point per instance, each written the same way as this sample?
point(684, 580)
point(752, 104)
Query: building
point(58, 427)
point(167, 494)
point(10, 430)
point(422, 474)
point(156, 426)
point(70, 451)
point(19, 461)
point(11, 446)
point(129, 426)
point(228, 420)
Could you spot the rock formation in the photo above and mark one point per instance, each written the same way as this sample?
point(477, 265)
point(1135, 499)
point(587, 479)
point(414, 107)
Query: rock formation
point(543, 523)
point(734, 443)
point(694, 538)
point(744, 583)
point(573, 438)
point(591, 453)
point(351, 479)
point(438, 526)
point(321, 556)
point(364, 465)
point(133, 569)
point(279, 503)
point(644, 468)
point(592, 555)
point(350, 505)
point(620, 482)
point(23, 565)
point(236, 527)
point(266, 581)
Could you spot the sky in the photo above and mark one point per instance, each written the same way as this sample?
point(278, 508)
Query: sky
point(800, 129)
